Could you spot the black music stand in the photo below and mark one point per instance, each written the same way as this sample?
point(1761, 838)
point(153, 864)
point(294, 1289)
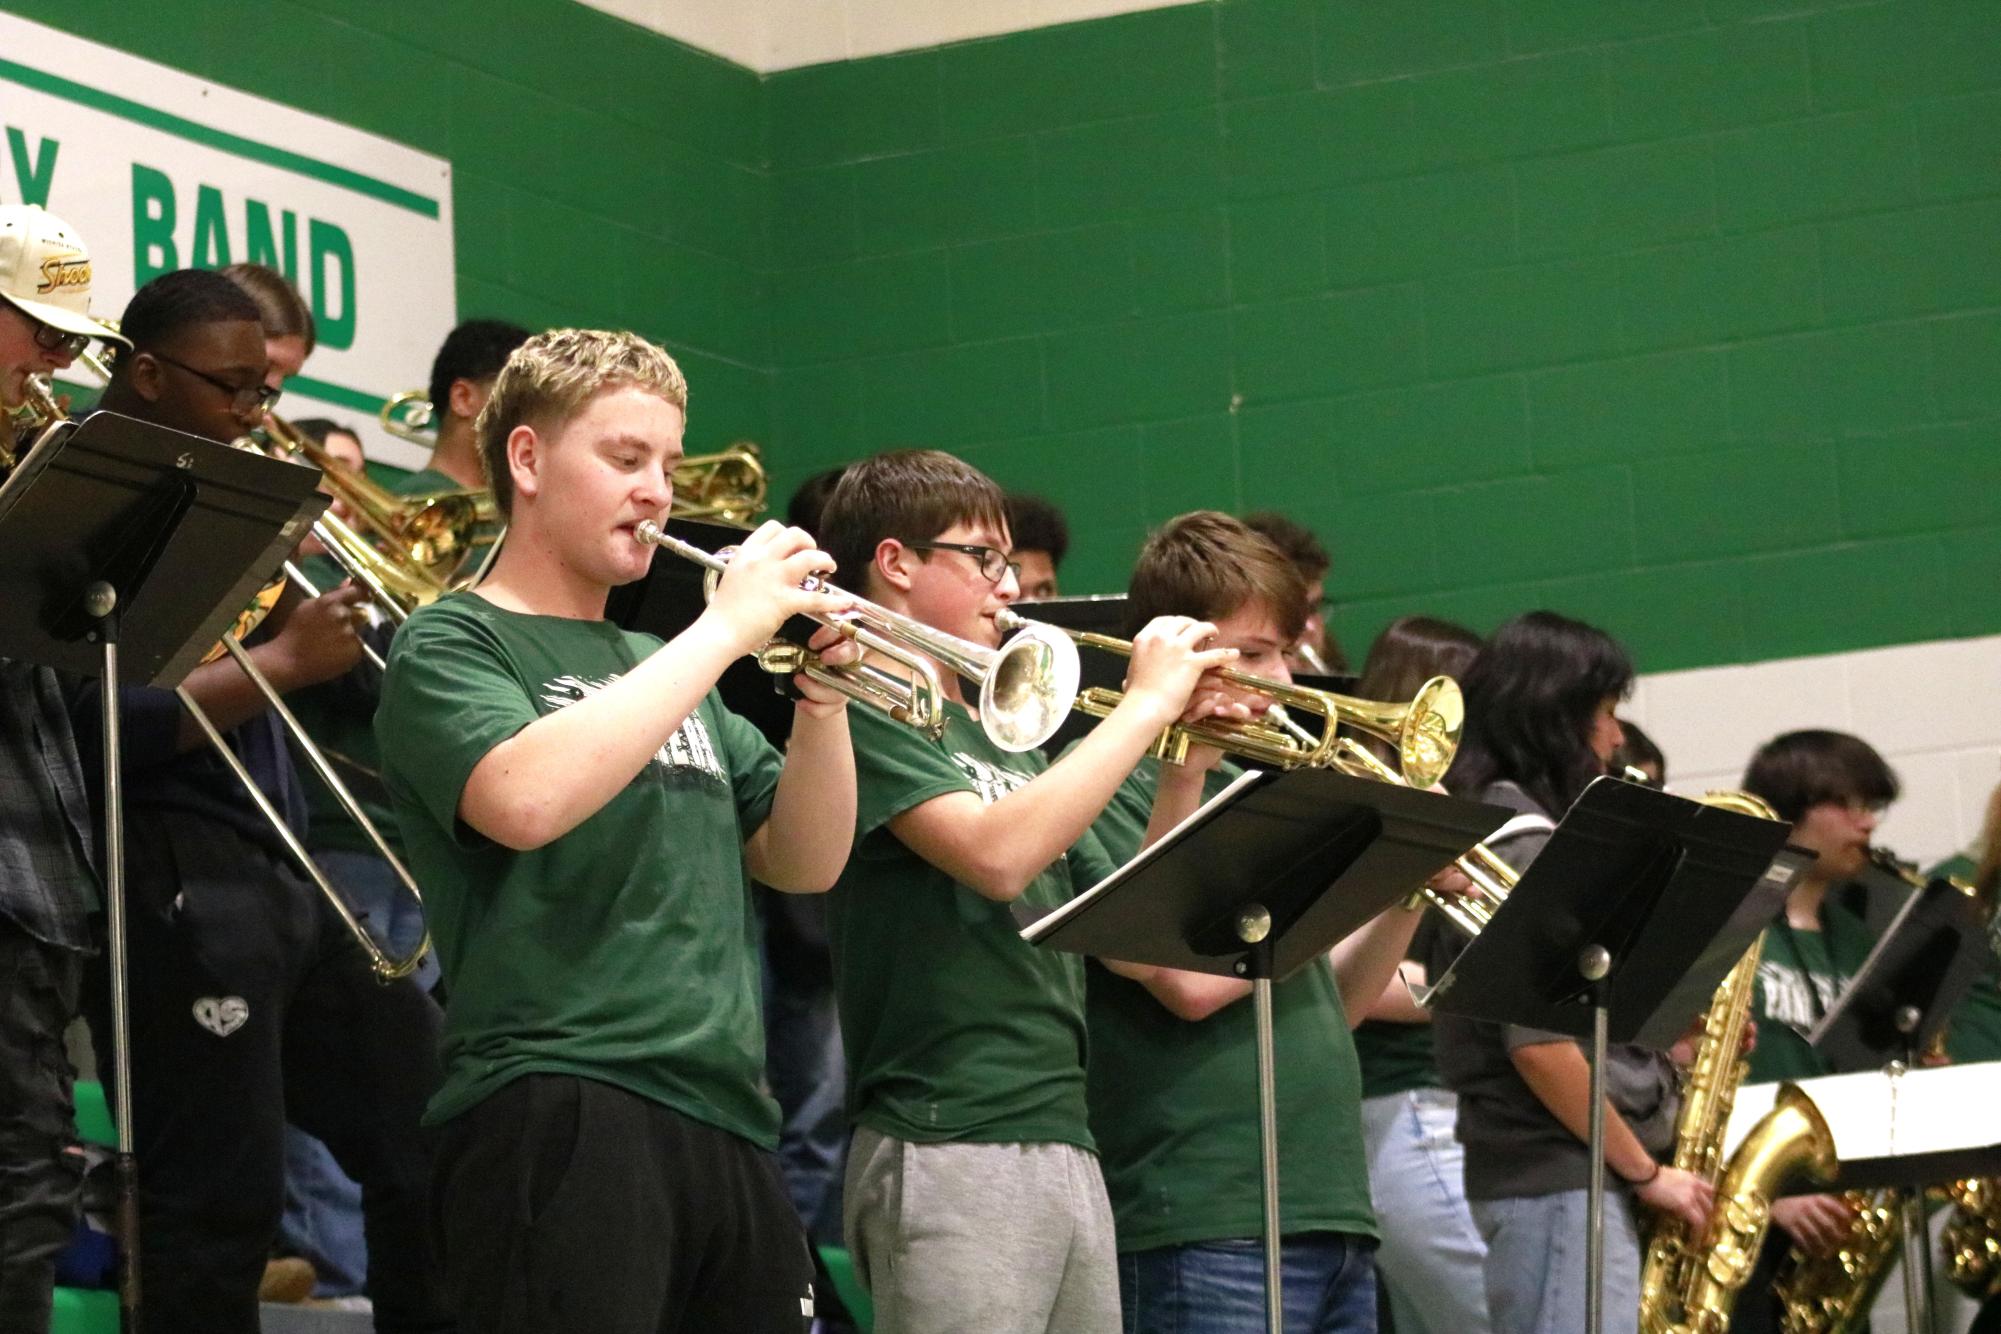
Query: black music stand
point(669, 598)
point(140, 543)
point(1626, 923)
point(1262, 880)
point(1925, 963)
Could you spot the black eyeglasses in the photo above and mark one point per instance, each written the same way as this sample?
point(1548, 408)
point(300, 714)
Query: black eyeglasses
point(248, 398)
point(994, 565)
point(62, 341)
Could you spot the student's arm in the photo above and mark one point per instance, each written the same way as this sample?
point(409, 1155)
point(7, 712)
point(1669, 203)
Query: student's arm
point(1396, 1005)
point(1557, 1073)
point(563, 768)
point(802, 846)
point(316, 641)
point(1366, 960)
point(998, 849)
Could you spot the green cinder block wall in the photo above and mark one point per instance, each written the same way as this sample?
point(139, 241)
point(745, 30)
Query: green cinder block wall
point(1681, 315)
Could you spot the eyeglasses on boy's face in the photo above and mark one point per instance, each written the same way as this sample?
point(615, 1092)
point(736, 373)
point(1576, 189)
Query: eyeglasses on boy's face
point(994, 564)
point(243, 398)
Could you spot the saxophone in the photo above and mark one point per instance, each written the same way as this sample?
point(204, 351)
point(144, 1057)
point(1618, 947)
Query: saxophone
point(1689, 1281)
point(1832, 1294)
point(1973, 1237)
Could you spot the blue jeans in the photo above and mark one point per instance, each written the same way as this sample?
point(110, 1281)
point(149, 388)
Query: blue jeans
point(1218, 1287)
point(322, 1221)
point(1432, 1256)
point(1535, 1263)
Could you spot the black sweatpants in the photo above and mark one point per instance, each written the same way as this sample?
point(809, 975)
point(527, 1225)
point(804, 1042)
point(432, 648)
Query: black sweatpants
point(566, 1204)
point(252, 1005)
point(41, 1167)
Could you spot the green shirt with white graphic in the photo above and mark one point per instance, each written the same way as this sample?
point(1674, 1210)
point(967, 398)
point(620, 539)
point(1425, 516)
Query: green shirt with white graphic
point(623, 951)
point(1800, 975)
point(955, 1028)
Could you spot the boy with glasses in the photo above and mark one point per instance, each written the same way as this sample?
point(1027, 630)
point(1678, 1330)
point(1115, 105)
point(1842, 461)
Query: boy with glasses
point(48, 889)
point(973, 1195)
point(251, 1004)
point(1833, 787)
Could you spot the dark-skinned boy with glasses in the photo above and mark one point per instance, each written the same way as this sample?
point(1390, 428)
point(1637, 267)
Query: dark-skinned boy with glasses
point(251, 1004)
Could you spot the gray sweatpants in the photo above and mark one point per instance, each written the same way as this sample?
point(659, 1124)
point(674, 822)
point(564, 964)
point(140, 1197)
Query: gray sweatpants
point(981, 1238)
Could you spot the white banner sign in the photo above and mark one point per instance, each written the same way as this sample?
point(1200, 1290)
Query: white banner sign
point(158, 170)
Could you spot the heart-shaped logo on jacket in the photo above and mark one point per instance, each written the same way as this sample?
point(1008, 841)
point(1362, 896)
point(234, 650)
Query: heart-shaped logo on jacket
point(221, 1015)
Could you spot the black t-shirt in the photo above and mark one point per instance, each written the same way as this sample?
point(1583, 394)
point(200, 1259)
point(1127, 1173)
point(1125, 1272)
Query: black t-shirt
point(1514, 1146)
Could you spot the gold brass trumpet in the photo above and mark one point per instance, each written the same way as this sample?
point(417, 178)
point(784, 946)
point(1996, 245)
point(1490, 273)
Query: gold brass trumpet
point(1424, 731)
point(1026, 685)
point(33, 421)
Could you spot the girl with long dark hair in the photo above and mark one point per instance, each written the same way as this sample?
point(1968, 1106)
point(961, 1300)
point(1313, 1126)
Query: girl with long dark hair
point(1540, 726)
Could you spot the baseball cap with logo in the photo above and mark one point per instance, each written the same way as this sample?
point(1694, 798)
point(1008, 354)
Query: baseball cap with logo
point(45, 271)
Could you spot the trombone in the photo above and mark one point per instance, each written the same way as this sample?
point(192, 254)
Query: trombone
point(386, 969)
point(426, 535)
point(1424, 731)
point(1026, 685)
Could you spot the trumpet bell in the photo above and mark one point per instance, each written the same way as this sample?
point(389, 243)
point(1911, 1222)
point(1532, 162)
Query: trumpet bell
point(1429, 735)
point(1029, 690)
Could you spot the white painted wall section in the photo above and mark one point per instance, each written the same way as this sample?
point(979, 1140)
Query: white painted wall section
point(768, 35)
point(1933, 710)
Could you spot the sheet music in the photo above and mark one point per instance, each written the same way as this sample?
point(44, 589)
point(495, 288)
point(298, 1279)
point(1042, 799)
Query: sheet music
point(1049, 921)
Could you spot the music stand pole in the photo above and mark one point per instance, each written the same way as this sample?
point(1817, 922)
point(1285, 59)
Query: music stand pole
point(101, 602)
point(1254, 929)
point(1594, 964)
point(1911, 1213)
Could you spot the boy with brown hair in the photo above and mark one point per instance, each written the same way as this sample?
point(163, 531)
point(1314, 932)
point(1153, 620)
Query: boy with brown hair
point(973, 1196)
point(583, 812)
point(1172, 1093)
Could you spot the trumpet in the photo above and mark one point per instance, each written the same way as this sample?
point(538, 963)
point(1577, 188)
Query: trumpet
point(1424, 731)
point(1026, 685)
point(34, 420)
point(1492, 879)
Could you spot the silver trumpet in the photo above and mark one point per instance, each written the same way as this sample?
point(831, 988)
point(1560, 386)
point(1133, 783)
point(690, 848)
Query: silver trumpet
point(1026, 685)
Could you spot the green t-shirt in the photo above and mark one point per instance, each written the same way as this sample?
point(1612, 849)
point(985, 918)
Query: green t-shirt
point(1174, 1103)
point(339, 716)
point(1396, 1058)
point(1974, 1033)
point(1800, 975)
point(955, 1028)
point(623, 951)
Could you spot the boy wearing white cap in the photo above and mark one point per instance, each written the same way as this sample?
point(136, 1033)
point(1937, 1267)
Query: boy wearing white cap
point(44, 298)
point(48, 888)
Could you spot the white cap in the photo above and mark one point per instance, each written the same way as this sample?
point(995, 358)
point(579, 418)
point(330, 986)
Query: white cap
point(45, 271)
